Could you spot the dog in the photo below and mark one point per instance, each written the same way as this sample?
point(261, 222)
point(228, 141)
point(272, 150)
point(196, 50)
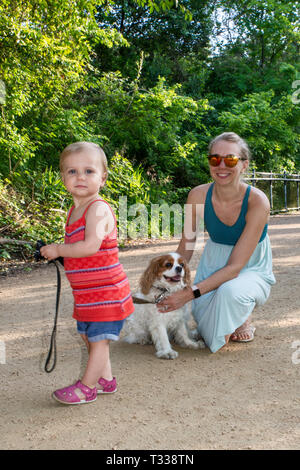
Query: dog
point(146, 325)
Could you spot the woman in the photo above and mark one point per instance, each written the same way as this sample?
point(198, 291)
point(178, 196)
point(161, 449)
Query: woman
point(235, 269)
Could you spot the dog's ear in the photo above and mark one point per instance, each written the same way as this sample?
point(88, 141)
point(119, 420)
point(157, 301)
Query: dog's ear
point(149, 275)
point(187, 274)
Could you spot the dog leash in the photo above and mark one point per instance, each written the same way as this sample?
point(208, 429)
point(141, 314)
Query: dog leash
point(53, 348)
point(37, 256)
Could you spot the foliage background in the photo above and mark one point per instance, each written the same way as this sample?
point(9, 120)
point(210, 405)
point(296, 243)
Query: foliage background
point(150, 81)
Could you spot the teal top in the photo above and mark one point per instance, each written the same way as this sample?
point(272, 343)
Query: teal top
point(220, 232)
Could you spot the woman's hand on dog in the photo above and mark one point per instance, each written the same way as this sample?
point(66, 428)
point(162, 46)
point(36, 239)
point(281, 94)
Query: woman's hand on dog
point(175, 301)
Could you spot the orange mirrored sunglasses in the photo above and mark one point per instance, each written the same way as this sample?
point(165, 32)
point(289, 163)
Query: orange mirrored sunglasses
point(230, 160)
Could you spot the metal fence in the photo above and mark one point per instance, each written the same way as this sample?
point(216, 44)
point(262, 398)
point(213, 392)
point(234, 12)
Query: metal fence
point(282, 189)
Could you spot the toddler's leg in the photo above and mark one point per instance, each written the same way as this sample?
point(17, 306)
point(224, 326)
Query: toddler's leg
point(85, 339)
point(98, 363)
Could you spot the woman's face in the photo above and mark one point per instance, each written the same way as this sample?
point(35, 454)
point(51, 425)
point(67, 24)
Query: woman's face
point(222, 174)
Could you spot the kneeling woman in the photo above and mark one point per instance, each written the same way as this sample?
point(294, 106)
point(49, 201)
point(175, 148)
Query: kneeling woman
point(235, 270)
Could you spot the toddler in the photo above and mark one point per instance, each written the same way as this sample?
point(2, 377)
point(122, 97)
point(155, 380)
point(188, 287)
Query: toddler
point(101, 291)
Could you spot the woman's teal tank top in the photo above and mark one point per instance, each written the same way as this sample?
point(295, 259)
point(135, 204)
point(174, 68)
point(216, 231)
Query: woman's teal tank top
point(220, 232)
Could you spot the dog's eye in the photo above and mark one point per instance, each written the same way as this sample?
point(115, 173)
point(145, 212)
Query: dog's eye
point(182, 264)
point(169, 265)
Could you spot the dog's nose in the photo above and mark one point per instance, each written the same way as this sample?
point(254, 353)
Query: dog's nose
point(178, 269)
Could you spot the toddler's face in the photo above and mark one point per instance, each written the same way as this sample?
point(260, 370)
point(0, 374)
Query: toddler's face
point(83, 173)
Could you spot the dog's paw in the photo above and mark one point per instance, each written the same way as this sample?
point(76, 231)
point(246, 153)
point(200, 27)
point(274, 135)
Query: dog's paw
point(146, 341)
point(129, 339)
point(169, 354)
point(192, 344)
point(194, 334)
point(197, 344)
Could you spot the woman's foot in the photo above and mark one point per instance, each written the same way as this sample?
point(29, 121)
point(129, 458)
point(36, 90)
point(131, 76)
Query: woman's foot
point(244, 333)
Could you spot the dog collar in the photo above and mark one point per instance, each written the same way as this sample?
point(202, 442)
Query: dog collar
point(157, 299)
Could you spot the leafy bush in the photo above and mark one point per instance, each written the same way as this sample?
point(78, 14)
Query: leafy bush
point(268, 126)
point(158, 128)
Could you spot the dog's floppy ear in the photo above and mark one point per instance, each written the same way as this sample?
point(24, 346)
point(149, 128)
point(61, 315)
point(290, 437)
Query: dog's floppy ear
point(187, 274)
point(149, 275)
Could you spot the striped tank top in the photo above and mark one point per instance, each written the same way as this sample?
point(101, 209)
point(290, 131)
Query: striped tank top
point(100, 287)
point(220, 232)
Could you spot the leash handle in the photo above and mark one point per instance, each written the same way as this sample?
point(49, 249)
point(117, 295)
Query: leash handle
point(52, 348)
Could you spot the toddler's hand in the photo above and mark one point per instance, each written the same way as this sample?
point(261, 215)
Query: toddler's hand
point(50, 251)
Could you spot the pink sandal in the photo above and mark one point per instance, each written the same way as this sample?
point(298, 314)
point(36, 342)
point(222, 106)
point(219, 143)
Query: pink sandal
point(68, 396)
point(107, 386)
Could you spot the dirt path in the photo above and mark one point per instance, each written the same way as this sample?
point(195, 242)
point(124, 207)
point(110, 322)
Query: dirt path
point(246, 396)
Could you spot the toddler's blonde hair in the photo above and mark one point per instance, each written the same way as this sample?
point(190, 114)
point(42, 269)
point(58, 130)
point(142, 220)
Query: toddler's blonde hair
point(78, 147)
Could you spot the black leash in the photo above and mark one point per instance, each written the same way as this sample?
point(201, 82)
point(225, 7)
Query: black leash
point(39, 257)
point(52, 348)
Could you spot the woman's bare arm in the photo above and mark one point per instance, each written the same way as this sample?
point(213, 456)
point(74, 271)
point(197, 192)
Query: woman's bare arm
point(256, 218)
point(194, 216)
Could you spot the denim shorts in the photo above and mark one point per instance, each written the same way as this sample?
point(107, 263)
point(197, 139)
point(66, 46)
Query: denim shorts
point(99, 330)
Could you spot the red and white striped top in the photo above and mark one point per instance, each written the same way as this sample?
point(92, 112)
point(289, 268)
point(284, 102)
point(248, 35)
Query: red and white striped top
point(100, 287)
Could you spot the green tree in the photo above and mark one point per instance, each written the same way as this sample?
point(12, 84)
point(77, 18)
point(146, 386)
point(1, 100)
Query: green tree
point(45, 57)
point(170, 39)
point(269, 129)
point(157, 128)
point(257, 47)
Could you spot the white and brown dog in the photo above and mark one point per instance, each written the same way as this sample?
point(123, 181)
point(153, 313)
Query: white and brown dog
point(164, 275)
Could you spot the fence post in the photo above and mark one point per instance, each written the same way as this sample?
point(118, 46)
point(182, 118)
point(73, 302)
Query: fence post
point(271, 190)
point(285, 190)
point(253, 177)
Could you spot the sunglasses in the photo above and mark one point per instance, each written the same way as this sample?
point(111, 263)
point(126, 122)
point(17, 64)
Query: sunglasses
point(230, 160)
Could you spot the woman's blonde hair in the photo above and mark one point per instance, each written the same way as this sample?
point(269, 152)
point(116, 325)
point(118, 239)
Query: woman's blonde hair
point(236, 139)
point(78, 147)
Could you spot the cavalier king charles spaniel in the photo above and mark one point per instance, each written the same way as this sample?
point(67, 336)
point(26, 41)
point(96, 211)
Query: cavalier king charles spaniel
point(164, 275)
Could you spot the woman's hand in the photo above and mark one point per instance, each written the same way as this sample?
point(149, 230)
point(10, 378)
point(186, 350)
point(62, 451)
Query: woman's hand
point(50, 251)
point(175, 301)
